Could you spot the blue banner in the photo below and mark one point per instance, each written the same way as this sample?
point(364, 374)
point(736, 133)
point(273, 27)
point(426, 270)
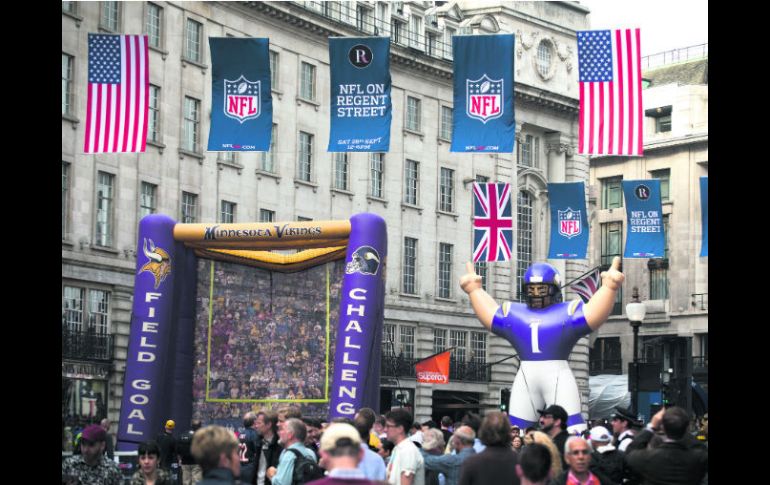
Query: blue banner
point(241, 99)
point(644, 213)
point(361, 107)
point(569, 221)
point(704, 215)
point(483, 93)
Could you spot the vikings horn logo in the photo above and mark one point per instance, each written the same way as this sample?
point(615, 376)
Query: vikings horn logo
point(159, 263)
point(365, 260)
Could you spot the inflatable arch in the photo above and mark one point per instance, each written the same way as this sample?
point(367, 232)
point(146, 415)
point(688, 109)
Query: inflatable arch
point(172, 292)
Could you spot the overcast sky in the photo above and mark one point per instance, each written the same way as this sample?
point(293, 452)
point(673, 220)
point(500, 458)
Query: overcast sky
point(665, 24)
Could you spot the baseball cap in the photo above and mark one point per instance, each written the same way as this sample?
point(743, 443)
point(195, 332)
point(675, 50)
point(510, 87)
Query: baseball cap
point(600, 433)
point(330, 439)
point(170, 424)
point(556, 411)
point(94, 432)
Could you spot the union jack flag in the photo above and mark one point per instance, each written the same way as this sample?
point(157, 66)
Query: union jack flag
point(492, 222)
point(586, 287)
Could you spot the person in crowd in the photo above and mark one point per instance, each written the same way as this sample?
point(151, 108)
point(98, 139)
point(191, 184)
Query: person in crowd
point(291, 434)
point(432, 445)
point(515, 431)
point(342, 450)
point(250, 438)
point(385, 451)
point(148, 472)
point(605, 458)
point(534, 465)
point(578, 453)
point(370, 418)
point(543, 439)
point(517, 442)
point(91, 467)
point(109, 448)
point(268, 449)
point(474, 421)
point(553, 422)
point(497, 463)
point(449, 464)
point(215, 448)
point(312, 441)
point(379, 427)
point(415, 434)
point(371, 464)
point(678, 457)
point(167, 443)
point(446, 428)
point(406, 466)
point(289, 412)
point(191, 471)
point(624, 427)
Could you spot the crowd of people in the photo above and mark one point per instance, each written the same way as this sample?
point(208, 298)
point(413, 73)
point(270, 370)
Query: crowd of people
point(268, 338)
point(284, 448)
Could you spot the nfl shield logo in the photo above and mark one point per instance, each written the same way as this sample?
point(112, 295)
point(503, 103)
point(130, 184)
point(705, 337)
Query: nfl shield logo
point(569, 223)
point(484, 98)
point(242, 99)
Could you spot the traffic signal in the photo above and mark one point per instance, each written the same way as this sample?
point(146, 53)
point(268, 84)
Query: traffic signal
point(505, 398)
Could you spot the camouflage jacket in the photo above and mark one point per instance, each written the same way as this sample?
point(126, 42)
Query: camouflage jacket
point(162, 478)
point(104, 473)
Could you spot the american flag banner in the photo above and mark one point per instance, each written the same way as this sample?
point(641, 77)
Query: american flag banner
point(587, 286)
point(492, 222)
point(118, 93)
point(610, 72)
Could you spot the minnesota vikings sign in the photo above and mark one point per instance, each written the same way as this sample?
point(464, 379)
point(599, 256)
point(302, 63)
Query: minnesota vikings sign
point(242, 99)
point(158, 264)
point(485, 98)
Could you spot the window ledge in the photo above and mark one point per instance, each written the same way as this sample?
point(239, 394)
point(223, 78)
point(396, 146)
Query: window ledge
point(441, 140)
point(405, 206)
point(160, 146)
point(278, 92)
point(186, 61)
point(336, 191)
point(105, 249)
point(71, 119)
point(413, 132)
point(409, 295)
point(221, 164)
point(371, 199)
point(75, 16)
point(439, 213)
point(163, 53)
point(445, 300)
point(66, 242)
point(199, 156)
point(313, 185)
point(264, 173)
point(311, 102)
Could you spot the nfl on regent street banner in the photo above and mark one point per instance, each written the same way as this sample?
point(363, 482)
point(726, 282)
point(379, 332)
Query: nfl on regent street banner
point(241, 101)
point(569, 221)
point(704, 215)
point(483, 93)
point(360, 94)
point(644, 213)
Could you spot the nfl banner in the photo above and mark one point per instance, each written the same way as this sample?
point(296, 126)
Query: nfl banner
point(645, 219)
point(483, 93)
point(569, 221)
point(492, 222)
point(704, 215)
point(360, 94)
point(433, 369)
point(241, 100)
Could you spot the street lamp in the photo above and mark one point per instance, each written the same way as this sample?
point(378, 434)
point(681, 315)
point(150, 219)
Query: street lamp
point(635, 311)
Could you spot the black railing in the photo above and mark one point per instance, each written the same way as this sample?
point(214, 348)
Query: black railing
point(86, 345)
point(606, 366)
point(700, 301)
point(700, 51)
point(395, 366)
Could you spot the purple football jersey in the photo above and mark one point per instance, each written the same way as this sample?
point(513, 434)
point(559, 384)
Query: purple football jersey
point(541, 334)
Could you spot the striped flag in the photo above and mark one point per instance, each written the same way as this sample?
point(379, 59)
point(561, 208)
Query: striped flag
point(492, 222)
point(118, 93)
point(611, 114)
point(587, 286)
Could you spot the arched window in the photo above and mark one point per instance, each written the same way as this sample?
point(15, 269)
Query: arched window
point(523, 238)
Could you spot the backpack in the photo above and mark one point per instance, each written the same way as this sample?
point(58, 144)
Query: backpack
point(305, 469)
point(183, 444)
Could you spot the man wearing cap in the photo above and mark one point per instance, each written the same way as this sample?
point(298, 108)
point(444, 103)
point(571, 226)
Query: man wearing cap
point(605, 458)
point(91, 467)
point(167, 444)
point(341, 451)
point(553, 422)
point(623, 426)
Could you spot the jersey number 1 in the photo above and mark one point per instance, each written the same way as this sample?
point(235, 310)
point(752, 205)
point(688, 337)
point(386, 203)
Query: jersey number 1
point(535, 342)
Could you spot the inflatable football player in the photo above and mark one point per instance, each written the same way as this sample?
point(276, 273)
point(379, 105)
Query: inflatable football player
point(543, 333)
